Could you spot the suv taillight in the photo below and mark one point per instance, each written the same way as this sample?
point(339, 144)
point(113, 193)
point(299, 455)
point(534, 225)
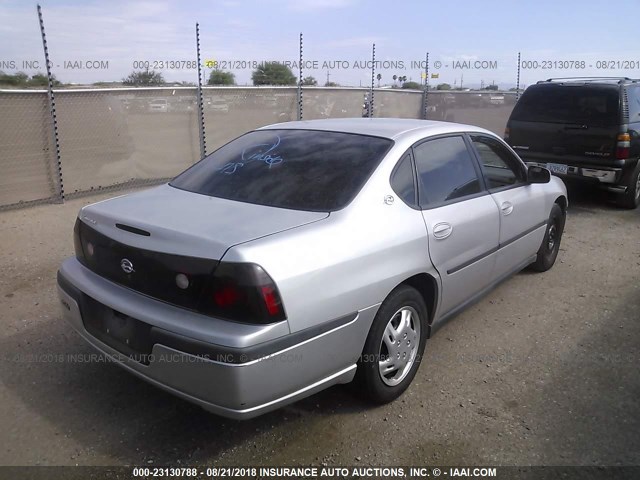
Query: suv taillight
point(77, 243)
point(623, 145)
point(242, 292)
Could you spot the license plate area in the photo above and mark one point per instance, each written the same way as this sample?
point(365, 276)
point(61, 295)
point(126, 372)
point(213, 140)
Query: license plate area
point(127, 335)
point(558, 168)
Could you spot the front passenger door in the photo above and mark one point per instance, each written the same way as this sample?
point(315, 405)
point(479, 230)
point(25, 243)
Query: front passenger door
point(462, 219)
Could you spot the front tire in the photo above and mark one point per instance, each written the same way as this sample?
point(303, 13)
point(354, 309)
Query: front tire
point(394, 347)
point(548, 251)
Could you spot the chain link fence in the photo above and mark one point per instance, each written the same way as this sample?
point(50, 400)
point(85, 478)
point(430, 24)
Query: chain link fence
point(397, 103)
point(27, 151)
point(121, 138)
point(332, 102)
point(230, 112)
point(115, 138)
point(488, 110)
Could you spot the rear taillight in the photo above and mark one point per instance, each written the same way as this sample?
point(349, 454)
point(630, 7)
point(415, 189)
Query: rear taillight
point(623, 145)
point(507, 131)
point(242, 292)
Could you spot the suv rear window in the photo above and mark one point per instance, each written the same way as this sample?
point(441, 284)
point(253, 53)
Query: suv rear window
point(297, 169)
point(581, 104)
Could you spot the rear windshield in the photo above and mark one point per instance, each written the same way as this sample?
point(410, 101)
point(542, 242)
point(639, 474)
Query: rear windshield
point(590, 105)
point(295, 169)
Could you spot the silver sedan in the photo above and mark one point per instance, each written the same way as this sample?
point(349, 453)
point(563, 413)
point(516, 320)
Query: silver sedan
point(306, 254)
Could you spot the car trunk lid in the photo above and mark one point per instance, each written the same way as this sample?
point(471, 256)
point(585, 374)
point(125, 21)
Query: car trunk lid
point(170, 220)
point(579, 140)
point(166, 242)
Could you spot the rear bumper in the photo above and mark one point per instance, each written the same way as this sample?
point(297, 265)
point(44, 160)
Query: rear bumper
point(233, 381)
point(593, 174)
point(612, 175)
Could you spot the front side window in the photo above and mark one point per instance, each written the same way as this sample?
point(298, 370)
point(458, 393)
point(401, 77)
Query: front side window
point(445, 170)
point(499, 167)
point(296, 169)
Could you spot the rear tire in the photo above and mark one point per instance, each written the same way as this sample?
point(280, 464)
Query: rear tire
point(394, 347)
point(548, 251)
point(631, 198)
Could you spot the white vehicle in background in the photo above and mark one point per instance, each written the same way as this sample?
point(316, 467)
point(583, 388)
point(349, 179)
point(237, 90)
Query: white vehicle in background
point(159, 105)
point(217, 105)
point(496, 99)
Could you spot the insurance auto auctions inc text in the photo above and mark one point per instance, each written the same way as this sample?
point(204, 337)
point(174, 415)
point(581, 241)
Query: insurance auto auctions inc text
point(368, 472)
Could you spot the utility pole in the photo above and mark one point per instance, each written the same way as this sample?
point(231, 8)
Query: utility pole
point(327, 78)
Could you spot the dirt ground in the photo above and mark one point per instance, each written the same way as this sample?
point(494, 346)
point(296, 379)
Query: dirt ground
point(542, 371)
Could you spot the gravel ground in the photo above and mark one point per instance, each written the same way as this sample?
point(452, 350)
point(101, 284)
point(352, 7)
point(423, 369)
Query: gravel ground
point(542, 371)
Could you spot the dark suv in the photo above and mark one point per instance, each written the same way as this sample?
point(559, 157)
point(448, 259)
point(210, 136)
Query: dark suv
point(582, 128)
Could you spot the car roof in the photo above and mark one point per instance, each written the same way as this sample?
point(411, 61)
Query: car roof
point(392, 128)
point(585, 81)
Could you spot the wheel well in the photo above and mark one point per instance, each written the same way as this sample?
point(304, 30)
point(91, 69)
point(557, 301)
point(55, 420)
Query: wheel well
point(427, 286)
point(562, 201)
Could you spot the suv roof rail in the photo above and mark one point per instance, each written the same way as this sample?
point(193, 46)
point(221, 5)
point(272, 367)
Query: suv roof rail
point(591, 79)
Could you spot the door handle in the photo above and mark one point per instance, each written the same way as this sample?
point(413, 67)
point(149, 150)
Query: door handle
point(506, 208)
point(442, 230)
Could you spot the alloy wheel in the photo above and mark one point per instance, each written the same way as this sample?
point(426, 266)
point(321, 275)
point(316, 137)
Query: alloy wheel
point(551, 238)
point(399, 346)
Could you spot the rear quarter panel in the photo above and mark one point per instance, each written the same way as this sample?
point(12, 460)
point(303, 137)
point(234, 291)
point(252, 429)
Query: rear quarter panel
point(347, 262)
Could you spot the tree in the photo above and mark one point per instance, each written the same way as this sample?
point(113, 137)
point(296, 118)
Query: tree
point(21, 79)
point(309, 81)
point(412, 85)
point(220, 77)
point(41, 80)
point(331, 84)
point(145, 77)
point(273, 73)
point(379, 77)
point(15, 80)
point(491, 87)
point(443, 86)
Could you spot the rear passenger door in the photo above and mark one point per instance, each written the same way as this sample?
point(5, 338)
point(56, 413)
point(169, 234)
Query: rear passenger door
point(522, 205)
point(462, 219)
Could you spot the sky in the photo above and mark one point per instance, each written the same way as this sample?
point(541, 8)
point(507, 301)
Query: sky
point(470, 42)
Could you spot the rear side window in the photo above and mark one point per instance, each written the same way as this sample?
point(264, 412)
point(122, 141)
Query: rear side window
point(402, 181)
point(590, 105)
point(633, 97)
point(499, 167)
point(445, 170)
point(296, 169)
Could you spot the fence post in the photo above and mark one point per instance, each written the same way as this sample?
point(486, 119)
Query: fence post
point(201, 130)
point(300, 80)
point(373, 78)
point(518, 80)
point(425, 100)
point(52, 104)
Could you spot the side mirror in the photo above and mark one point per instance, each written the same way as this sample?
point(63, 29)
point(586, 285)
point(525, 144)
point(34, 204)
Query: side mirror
point(536, 174)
